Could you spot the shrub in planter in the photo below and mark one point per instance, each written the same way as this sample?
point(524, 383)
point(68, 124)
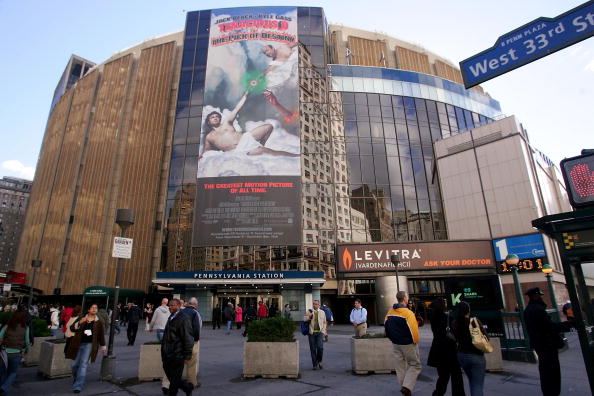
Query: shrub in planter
point(275, 329)
point(40, 328)
point(271, 350)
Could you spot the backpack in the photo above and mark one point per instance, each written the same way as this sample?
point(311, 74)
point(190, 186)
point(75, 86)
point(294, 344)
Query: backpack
point(305, 328)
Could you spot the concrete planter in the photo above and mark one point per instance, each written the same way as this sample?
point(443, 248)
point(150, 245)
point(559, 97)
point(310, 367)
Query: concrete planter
point(32, 358)
point(52, 362)
point(271, 359)
point(150, 366)
point(372, 355)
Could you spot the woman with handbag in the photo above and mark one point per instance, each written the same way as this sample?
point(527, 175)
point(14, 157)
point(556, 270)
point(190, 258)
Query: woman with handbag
point(443, 353)
point(470, 357)
point(15, 341)
point(84, 345)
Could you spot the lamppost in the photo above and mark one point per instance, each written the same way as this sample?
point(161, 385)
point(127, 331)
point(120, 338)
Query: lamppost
point(34, 264)
point(547, 269)
point(395, 261)
point(124, 218)
point(512, 261)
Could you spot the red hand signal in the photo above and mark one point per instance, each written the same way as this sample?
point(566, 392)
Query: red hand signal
point(582, 179)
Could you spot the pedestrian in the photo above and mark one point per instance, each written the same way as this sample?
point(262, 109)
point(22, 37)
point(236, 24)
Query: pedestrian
point(287, 311)
point(402, 329)
point(358, 319)
point(443, 353)
point(216, 317)
point(318, 334)
point(159, 320)
point(134, 316)
point(148, 315)
point(15, 337)
point(68, 334)
point(124, 315)
point(262, 311)
point(65, 317)
point(471, 359)
point(84, 345)
point(196, 321)
point(176, 350)
point(568, 311)
point(249, 316)
point(328, 312)
point(238, 316)
point(229, 314)
point(546, 340)
point(54, 326)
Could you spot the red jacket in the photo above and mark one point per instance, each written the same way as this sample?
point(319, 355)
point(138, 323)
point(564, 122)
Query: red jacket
point(262, 311)
point(65, 316)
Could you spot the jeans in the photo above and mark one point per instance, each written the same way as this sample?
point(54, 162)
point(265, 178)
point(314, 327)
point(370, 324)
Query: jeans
point(474, 366)
point(316, 347)
point(80, 365)
point(131, 332)
point(160, 333)
point(9, 373)
point(229, 326)
point(56, 333)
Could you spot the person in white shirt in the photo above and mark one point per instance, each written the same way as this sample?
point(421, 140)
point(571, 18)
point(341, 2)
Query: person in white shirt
point(159, 320)
point(358, 319)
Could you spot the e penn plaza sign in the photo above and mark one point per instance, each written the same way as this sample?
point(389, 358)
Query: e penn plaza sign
point(415, 256)
point(530, 42)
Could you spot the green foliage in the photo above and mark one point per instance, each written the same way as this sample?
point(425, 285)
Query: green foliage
point(376, 335)
point(40, 328)
point(277, 329)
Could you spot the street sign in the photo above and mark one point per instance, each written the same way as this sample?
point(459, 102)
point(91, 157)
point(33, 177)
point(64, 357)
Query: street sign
point(578, 173)
point(530, 42)
point(122, 248)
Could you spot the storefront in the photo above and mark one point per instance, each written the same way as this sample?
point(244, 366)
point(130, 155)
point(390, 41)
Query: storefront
point(274, 288)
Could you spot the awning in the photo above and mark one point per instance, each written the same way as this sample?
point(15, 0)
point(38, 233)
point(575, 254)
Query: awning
point(239, 277)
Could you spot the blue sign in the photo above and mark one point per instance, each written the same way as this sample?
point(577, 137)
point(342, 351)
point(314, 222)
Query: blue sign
point(525, 246)
point(530, 42)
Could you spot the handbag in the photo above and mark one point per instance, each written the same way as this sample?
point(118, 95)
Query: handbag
point(449, 333)
point(305, 328)
point(479, 339)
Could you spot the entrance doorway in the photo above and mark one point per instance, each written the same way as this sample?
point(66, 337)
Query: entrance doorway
point(272, 301)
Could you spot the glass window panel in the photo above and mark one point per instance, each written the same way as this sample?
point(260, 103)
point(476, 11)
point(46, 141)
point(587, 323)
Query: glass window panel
point(468, 118)
point(349, 112)
point(389, 131)
point(364, 129)
point(376, 130)
point(409, 102)
point(354, 169)
point(348, 98)
point(361, 99)
point(190, 170)
point(392, 150)
point(178, 150)
point(194, 128)
point(387, 112)
point(350, 128)
point(406, 171)
point(352, 148)
point(381, 170)
point(196, 111)
point(176, 171)
point(401, 131)
point(361, 110)
point(181, 130)
point(367, 169)
point(413, 133)
point(184, 92)
point(192, 150)
point(365, 147)
point(374, 111)
point(425, 134)
point(385, 100)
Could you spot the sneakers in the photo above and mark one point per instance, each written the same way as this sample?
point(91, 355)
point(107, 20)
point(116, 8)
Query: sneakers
point(320, 365)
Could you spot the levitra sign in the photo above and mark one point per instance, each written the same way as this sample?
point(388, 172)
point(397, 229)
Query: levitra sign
point(530, 42)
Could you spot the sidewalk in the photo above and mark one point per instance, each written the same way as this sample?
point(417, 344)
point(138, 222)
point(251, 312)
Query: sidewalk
point(221, 367)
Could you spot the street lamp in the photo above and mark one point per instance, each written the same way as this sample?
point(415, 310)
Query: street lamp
point(34, 264)
point(394, 259)
point(512, 261)
point(124, 218)
point(547, 269)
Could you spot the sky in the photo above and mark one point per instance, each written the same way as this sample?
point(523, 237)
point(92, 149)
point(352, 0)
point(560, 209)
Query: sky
point(553, 97)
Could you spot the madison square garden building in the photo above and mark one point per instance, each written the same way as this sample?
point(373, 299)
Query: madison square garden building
point(270, 156)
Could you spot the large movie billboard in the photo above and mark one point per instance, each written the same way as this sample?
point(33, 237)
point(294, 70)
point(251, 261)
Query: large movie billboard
point(249, 172)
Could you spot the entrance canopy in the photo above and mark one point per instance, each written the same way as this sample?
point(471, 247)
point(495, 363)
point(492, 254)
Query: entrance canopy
point(239, 277)
point(102, 291)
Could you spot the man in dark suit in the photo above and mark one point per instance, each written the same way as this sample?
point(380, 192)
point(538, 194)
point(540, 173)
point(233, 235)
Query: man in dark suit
point(176, 351)
point(545, 339)
point(134, 316)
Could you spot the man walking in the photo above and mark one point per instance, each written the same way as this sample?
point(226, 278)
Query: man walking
point(159, 319)
point(134, 316)
point(216, 317)
point(403, 330)
point(358, 319)
point(229, 313)
point(176, 350)
point(318, 334)
point(249, 316)
point(545, 339)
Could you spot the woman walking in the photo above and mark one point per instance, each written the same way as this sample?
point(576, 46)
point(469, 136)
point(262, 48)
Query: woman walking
point(443, 354)
point(15, 339)
point(471, 359)
point(238, 316)
point(84, 345)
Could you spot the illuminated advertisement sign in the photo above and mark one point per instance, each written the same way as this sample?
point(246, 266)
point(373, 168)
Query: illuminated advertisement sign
point(249, 166)
point(415, 256)
point(578, 173)
point(529, 248)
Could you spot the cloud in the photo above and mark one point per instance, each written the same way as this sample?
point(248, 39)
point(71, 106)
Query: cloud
point(590, 66)
point(17, 168)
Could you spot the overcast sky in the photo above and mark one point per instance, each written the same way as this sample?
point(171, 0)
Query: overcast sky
point(552, 97)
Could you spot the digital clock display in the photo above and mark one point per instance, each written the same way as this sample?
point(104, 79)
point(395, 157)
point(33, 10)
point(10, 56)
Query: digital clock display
point(578, 173)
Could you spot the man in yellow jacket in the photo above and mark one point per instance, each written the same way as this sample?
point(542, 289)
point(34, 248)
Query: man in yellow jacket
point(403, 330)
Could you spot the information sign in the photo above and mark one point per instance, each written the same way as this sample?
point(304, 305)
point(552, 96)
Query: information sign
point(122, 248)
